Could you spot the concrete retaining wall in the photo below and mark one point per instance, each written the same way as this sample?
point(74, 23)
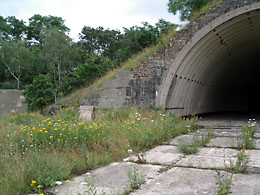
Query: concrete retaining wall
point(128, 91)
point(11, 102)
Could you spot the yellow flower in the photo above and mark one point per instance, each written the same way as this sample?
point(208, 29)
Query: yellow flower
point(41, 194)
point(45, 131)
point(60, 134)
point(33, 182)
point(39, 186)
point(67, 181)
point(31, 134)
point(51, 137)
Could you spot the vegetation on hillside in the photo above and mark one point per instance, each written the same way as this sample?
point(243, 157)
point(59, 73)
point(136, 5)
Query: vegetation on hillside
point(43, 47)
point(189, 9)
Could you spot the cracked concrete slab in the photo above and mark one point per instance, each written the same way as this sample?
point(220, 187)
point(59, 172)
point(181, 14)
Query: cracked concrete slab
point(163, 155)
point(206, 162)
point(188, 139)
point(180, 181)
point(111, 179)
point(254, 161)
point(246, 184)
point(219, 132)
point(224, 142)
point(210, 158)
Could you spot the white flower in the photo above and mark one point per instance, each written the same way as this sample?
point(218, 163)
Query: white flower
point(83, 183)
point(58, 183)
point(130, 151)
point(152, 121)
point(138, 119)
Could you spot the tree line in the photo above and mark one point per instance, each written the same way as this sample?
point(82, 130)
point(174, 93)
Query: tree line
point(42, 59)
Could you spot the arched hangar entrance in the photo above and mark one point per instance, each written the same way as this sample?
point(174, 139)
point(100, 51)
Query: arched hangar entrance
point(218, 69)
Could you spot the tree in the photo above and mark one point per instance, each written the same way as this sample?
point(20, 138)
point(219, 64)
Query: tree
point(38, 24)
point(12, 28)
point(15, 57)
point(39, 93)
point(99, 41)
point(185, 7)
point(59, 55)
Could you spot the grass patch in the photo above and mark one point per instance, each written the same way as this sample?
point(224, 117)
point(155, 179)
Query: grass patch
point(37, 151)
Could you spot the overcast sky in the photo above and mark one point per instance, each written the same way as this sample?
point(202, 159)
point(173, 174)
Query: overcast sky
point(112, 14)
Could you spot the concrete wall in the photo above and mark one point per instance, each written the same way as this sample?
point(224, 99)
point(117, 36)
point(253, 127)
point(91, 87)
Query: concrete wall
point(11, 102)
point(128, 91)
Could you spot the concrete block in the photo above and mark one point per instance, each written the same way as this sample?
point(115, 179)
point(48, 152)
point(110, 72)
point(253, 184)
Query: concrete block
point(110, 83)
point(11, 101)
point(123, 83)
point(86, 113)
point(123, 74)
point(93, 92)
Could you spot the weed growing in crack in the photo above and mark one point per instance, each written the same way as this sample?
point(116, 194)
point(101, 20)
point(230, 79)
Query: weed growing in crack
point(223, 183)
point(205, 138)
point(197, 142)
point(91, 189)
point(186, 148)
point(134, 180)
point(245, 141)
point(241, 163)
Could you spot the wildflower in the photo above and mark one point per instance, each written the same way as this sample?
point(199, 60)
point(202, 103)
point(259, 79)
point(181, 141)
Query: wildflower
point(31, 134)
point(58, 183)
point(34, 182)
point(51, 137)
point(67, 181)
point(39, 186)
point(41, 194)
point(130, 151)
